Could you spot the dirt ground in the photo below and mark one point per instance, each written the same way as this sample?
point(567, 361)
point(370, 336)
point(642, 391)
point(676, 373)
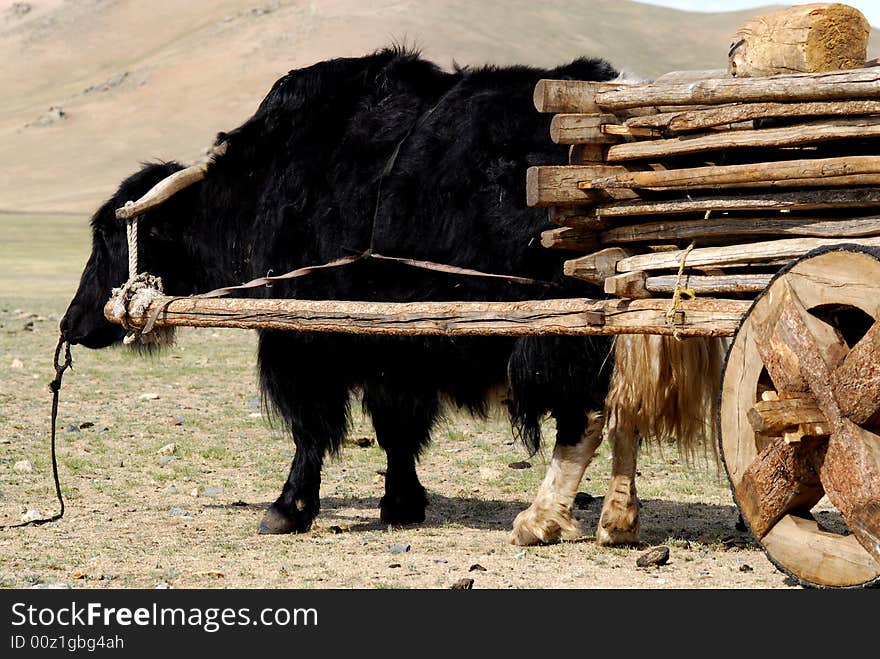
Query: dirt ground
point(136, 518)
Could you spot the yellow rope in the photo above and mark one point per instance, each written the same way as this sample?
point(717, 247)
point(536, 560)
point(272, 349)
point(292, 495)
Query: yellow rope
point(679, 291)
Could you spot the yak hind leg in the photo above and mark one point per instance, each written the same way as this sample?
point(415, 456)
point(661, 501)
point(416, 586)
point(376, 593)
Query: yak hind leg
point(549, 518)
point(619, 521)
point(402, 419)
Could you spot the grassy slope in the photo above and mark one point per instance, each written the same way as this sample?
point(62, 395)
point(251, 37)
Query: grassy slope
point(196, 68)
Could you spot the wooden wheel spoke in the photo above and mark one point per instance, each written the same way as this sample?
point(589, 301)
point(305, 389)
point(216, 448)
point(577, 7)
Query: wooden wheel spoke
point(856, 381)
point(850, 476)
point(799, 351)
point(783, 477)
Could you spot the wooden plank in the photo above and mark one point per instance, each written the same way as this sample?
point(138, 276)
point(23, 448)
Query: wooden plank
point(773, 417)
point(798, 87)
point(818, 556)
point(703, 284)
point(781, 479)
point(596, 267)
point(787, 136)
point(768, 252)
point(586, 154)
point(806, 38)
point(738, 227)
point(582, 129)
point(570, 238)
point(629, 284)
point(575, 317)
point(691, 120)
point(849, 170)
point(700, 317)
point(627, 131)
point(558, 184)
point(745, 200)
point(575, 217)
point(571, 96)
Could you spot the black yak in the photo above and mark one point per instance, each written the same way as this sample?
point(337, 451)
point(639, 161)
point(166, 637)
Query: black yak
point(390, 153)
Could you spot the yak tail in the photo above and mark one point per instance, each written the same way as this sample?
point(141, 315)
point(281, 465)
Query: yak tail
point(663, 388)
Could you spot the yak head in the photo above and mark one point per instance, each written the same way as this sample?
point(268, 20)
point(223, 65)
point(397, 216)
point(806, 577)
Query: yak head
point(160, 252)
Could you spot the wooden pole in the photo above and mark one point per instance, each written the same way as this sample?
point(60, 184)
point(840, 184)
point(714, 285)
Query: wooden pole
point(849, 170)
point(794, 88)
point(690, 120)
point(575, 317)
point(810, 132)
point(726, 227)
point(745, 200)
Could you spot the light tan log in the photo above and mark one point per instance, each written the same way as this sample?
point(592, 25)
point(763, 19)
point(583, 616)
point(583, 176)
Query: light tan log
point(807, 133)
point(586, 154)
point(582, 129)
point(737, 227)
point(558, 184)
point(821, 557)
point(571, 96)
point(768, 252)
point(168, 187)
point(773, 417)
point(570, 238)
point(576, 317)
point(782, 478)
point(690, 120)
point(596, 267)
point(794, 88)
point(806, 38)
point(850, 170)
point(575, 217)
point(743, 201)
point(703, 284)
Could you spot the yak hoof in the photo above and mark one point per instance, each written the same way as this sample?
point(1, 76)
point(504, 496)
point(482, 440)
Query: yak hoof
point(540, 526)
point(399, 510)
point(276, 522)
point(619, 521)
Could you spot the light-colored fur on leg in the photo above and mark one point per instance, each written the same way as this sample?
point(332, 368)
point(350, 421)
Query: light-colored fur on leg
point(662, 388)
point(619, 521)
point(549, 518)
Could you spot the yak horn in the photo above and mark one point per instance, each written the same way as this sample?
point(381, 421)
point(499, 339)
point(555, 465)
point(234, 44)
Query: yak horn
point(171, 185)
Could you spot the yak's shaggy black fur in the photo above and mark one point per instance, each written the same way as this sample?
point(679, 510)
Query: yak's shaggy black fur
point(302, 184)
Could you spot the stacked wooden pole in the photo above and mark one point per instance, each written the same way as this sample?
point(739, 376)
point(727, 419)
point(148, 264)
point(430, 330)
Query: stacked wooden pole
point(707, 183)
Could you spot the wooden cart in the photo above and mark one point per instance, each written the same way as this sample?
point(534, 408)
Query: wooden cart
point(760, 189)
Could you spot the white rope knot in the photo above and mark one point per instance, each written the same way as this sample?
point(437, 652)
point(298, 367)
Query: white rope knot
point(133, 298)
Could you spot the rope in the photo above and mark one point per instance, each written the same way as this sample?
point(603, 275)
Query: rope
point(131, 231)
point(55, 388)
point(679, 291)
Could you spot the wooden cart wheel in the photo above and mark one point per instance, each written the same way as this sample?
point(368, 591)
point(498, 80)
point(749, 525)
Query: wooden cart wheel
point(799, 418)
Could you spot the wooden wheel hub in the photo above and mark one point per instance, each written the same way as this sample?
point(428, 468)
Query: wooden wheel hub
point(800, 417)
